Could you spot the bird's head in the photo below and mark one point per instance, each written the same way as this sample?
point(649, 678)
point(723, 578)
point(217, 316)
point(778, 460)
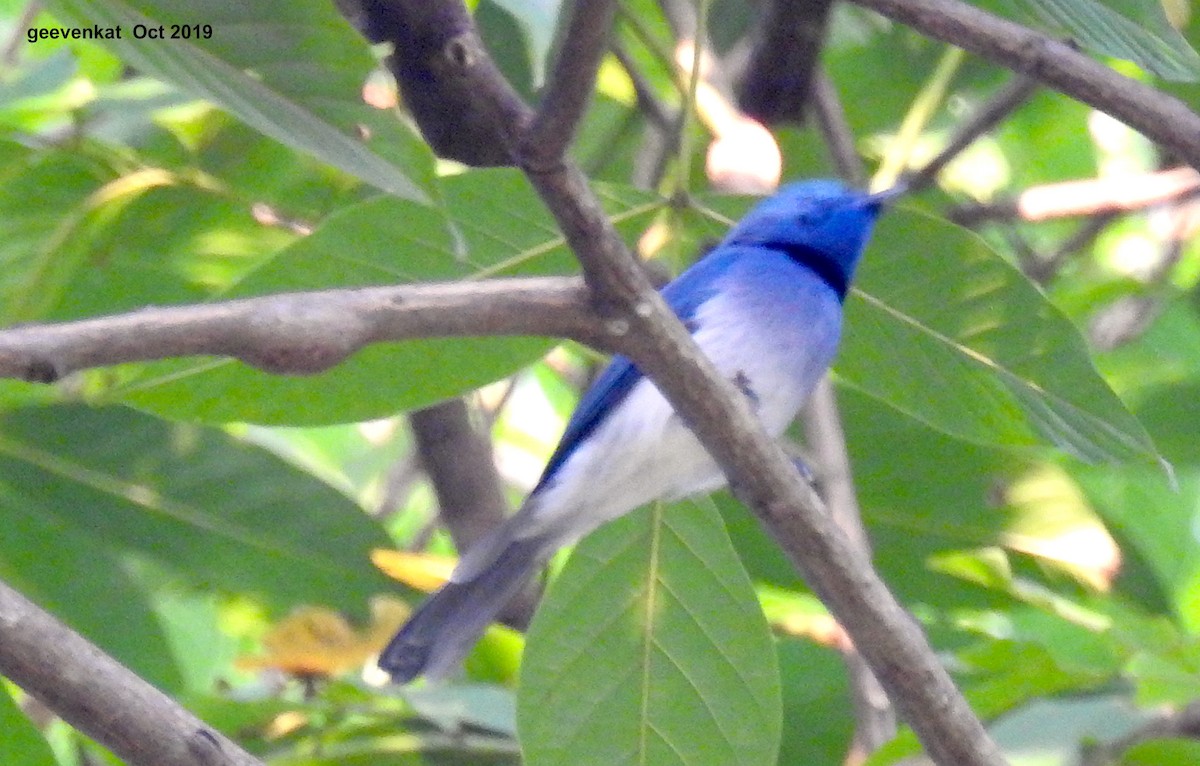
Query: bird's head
point(822, 221)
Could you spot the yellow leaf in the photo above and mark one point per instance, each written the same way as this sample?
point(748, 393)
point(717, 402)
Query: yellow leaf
point(424, 571)
point(315, 641)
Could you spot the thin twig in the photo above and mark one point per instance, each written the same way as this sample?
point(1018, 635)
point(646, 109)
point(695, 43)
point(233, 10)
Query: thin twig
point(657, 113)
point(1014, 93)
point(1164, 725)
point(1043, 270)
point(835, 130)
point(1085, 197)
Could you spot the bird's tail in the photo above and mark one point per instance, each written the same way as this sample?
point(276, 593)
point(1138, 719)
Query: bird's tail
point(442, 631)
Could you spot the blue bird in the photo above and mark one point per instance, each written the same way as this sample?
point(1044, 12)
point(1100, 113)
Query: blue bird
point(765, 306)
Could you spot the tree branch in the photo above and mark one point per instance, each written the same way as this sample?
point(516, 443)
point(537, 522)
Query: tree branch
point(458, 460)
point(1159, 116)
point(437, 56)
point(102, 698)
point(1016, 92)
point(776, 83)
point(874, 716)
point(571, 82)
point(1085, 197)
point(303, 333)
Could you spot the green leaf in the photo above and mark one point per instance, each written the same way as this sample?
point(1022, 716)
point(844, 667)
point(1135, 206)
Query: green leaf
point(42, 199)
point(941, 328)
point(1157, 523)
point(650, 648)
point(944, 330)
point(1162, 752)
point(22, 744)
point(495, 226)
point(292, 71)
point(219, 511)
point(1166, 677)
point(1136, 30)
point(61, 567)
point(818, 714)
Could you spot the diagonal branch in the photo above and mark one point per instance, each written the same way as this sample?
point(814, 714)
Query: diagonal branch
point(1159, 116)
point(101, 697)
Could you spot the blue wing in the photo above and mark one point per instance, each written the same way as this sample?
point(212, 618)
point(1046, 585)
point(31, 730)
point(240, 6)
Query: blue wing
point(684, 295)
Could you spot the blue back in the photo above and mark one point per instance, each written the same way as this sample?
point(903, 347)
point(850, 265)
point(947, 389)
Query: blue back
point(822, 225)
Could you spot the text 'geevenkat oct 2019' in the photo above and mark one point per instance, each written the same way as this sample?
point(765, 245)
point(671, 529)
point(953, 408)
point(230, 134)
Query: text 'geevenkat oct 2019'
point(120, 32)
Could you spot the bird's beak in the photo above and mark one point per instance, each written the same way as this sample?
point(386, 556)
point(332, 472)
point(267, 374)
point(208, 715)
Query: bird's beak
point(889, 195)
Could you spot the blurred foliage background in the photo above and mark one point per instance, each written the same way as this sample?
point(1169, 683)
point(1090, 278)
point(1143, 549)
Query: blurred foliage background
point(1020, 387)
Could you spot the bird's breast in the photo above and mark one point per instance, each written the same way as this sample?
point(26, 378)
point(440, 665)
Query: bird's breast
point(773, 331)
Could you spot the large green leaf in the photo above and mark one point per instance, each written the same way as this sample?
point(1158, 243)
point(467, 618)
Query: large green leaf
point(212, 508)
point(61, 567)
point(293, 71)
point(496, 226)
point(22, 744)
point(944, 330)
point(650, 648)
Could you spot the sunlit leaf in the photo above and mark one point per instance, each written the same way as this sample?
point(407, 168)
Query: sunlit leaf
point(294, 72)
point(422, 571)
point(495, 226)
point(1156, 523)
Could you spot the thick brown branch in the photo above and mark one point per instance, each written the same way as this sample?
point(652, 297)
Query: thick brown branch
point(440, 62)
point(303, 333)
point(1162, 118)
point(102, 698)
